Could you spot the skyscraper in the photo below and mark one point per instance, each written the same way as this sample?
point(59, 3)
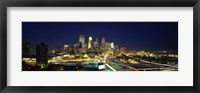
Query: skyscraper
point(42, 55)
point(82, 40)
point(90, 43)
point(112, 45)
point(96, 45)
point(58, 49)
point(108, 48)
point(103, 43)
point(77, 47)
point(112, 48)
point(116, 50)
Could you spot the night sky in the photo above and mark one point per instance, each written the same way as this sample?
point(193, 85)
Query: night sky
point(132, 35)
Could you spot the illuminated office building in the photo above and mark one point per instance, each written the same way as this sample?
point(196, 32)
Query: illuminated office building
point(78, 45)
point(90, 43)
point(96, 45)
point(82, 40)
point(108, 48)
point(112, 48)
point(65, 47)
point(42, 55)
point(108, 45)
point(103, 43)
point(112, 45)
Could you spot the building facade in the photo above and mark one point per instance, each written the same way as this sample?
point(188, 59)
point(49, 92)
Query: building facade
point(42, 55)
point(82, 40)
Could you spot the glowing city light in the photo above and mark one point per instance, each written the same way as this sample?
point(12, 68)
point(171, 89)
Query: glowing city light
point(90, 43)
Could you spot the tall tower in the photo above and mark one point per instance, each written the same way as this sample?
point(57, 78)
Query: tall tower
point(112, 45)
point(90, 43)
point(96, 45)
point(103, 43)
point(82, 40)
point(42, 55)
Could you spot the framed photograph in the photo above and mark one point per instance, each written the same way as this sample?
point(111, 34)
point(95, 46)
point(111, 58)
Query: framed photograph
point(133, 46)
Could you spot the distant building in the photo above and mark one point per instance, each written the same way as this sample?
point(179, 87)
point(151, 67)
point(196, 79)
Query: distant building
point(108, 45)
point(108, 48)
point(77, 47)
point(82, 40)
point(123, 50)
point(96, 45)
point(26, 49)
point(42, 55)
point(116, 47)
point(65, 47)
point(90, 46)
point(103, 43)
point(112, 48)
point(112, 45)
point(116, 50)
point(71, 50)
point(58, 49)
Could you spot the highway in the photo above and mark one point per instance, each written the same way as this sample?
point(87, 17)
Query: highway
point(131, 67)
point(159, 64)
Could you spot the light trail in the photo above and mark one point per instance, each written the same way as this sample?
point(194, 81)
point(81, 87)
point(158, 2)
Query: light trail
point(110, 67)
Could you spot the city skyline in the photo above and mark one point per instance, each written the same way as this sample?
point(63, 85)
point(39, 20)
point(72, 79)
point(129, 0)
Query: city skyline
point(100, 46)
point(156, 36)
